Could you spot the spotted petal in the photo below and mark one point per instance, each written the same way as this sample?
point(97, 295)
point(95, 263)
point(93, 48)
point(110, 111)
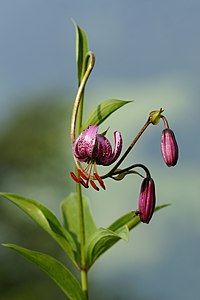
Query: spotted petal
point(105, 155)
point(103, 149)
point(84, 145)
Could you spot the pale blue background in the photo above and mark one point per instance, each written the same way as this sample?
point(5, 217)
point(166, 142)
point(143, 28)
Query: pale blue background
point(146, 50)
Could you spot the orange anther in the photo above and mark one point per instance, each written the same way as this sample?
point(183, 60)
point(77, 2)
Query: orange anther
point(93, 184)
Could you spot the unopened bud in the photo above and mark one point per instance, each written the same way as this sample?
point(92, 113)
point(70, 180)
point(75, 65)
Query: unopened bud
point(147, 200)
point(169, 147)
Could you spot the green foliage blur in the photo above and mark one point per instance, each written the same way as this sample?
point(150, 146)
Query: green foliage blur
point(34, 160)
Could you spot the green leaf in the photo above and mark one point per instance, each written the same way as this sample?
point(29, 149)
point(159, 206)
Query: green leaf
point(124, 220)
point(57, 271)
point(81, 50)
point(131, 219)
point(102, 240)
point(103, 111)
point(48, 221)
point(70, 213)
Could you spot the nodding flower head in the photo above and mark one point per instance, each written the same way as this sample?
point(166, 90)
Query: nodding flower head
point(94, 149)
point(147, 200)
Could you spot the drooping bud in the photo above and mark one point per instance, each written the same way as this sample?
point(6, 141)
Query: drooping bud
point(169, 147)
point(147, 200)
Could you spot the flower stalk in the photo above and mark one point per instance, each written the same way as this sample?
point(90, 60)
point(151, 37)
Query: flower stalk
point(128, 149)
point(168, 144)
point(78, 103)
point(84, 280)
point(76, 124)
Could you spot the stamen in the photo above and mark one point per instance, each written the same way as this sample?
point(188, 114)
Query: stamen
point(96, 175)
point(85, 176)
point(93, 184)
point(85, 184)
point(79, 180)
point(87, 167)
point(76, 179)
point(100, 180)
point(89, 172)
point(82, 174)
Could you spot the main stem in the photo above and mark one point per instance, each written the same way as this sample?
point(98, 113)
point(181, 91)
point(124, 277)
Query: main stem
point(76, 124)
point(84, 281)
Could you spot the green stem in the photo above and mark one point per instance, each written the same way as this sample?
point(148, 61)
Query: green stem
point(76, 124)
point(88, 65)
point(84, 281)
point(132, 223)
point(117, 172)
point(79, 99)
point(111, 172)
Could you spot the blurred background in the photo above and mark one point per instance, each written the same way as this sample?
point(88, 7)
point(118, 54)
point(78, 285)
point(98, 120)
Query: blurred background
point(146, 50)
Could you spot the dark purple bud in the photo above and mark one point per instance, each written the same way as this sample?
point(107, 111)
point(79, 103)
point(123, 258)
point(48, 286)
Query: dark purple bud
point(147, 200)
point(169, 147)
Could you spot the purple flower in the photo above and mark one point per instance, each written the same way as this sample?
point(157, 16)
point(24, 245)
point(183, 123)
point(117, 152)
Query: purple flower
point(147, 200)
point(169, 147)
point(94, 149)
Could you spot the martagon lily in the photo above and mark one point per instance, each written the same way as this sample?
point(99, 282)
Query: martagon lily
point(94, 149)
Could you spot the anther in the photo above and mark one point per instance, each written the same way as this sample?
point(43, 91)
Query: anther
point(100, 180)
point(93, 184)
point(85, 184)
point(76, 179)
point(82, 174)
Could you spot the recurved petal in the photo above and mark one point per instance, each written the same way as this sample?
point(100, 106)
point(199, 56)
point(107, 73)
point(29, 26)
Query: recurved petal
point(109, 159)
point(102, 150)
point(84, 144)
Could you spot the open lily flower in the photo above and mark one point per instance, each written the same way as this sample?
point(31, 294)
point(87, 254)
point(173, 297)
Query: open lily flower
point(94, 149)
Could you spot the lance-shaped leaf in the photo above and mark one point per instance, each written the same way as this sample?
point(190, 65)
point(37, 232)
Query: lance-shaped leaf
point(70, 214)
point(102, 240)
point(131, 219)
point(57, 271)
point(103, 111)
point(81, 50)
point(124, 220)
point(48, 221)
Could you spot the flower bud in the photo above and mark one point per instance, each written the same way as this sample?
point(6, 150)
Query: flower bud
point(147, 200)
point(169, 147)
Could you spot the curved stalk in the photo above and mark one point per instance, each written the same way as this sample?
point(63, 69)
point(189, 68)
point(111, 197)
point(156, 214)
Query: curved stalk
point(76, 124)
point(166, 124)
point(84, 281)
point(128, 150)
point(79, 97)
point(117, 172)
